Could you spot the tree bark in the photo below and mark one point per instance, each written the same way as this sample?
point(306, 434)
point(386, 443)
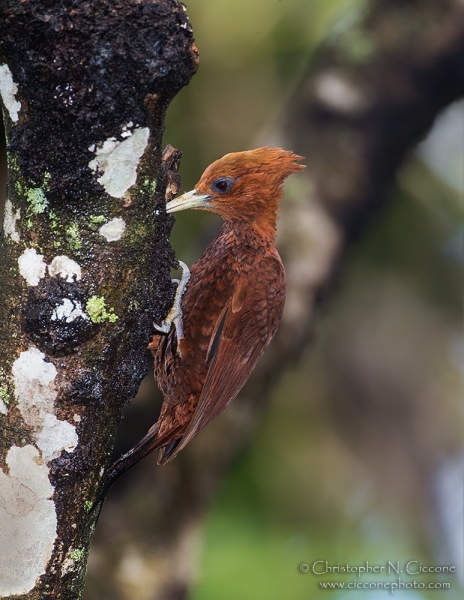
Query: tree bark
point(369, 96)
point(84, 260)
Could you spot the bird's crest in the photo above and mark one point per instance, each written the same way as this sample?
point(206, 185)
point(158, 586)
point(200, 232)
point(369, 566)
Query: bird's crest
point(274, 162)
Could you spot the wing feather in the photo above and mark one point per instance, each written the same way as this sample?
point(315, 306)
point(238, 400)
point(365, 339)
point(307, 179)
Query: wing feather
point(245, 327)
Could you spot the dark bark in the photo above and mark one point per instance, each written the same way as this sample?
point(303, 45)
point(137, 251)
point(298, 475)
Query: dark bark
point(368, 98)
point(84, 264)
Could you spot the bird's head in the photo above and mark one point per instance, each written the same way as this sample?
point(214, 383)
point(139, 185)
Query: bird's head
point(243, 187)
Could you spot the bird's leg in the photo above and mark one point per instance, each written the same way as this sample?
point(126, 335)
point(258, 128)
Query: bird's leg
point(175, 314)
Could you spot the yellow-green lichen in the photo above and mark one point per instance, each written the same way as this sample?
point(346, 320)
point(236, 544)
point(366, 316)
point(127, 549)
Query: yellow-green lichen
point(37, 200)
point(53, 220)
point(133, 305)
point(77, 554)
point(19, 187)
point(46, 180)
point(138, 232)
point(97, 311)
point(12, 162)
point(55, 225)
point(4, 395)
point(74, 237)
point(88, 505)
point(150, 185)
point(96, 219)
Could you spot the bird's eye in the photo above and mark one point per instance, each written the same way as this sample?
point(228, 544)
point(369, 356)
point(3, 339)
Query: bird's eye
point(222, 184)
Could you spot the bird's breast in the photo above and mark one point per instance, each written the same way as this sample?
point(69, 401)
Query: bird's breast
point(228, 274)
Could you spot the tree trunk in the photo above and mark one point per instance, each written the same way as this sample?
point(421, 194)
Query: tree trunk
point(84, 260)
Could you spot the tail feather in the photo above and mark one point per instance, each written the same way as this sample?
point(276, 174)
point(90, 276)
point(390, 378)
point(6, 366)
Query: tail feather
point(146, 445)
point(168, 452)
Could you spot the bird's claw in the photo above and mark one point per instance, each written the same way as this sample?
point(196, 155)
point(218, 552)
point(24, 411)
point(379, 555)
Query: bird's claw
point(165, 326)
point(175, 314)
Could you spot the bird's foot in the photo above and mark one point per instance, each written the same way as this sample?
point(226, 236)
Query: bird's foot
point(175, 314)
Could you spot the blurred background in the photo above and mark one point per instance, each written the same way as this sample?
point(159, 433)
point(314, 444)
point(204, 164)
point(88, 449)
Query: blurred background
point(353, 449)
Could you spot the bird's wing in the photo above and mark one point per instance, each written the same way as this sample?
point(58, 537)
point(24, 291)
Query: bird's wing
point(243, 330)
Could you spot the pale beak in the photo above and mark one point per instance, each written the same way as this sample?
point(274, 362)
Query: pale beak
point(189, 200)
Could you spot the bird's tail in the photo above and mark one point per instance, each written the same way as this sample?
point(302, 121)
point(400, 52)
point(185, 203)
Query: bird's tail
point(166, 452)
point(151, 441)
point(146, 445)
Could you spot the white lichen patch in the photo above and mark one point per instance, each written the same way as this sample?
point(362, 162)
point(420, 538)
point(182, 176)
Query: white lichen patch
point(70, 310)
point(9, 221)
point(126, 130)
point(118, 161)
point(28, 524)
point(27, 515)
point(62, 266)
point(35, 394)
point(34, 385)
point(69, 564)
point(8, 91)
point(113, 230)
point(56, 436)
point(3, 408)
point(34, 477)
point(16, 498)
point(27, 521)
point(32, 266)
